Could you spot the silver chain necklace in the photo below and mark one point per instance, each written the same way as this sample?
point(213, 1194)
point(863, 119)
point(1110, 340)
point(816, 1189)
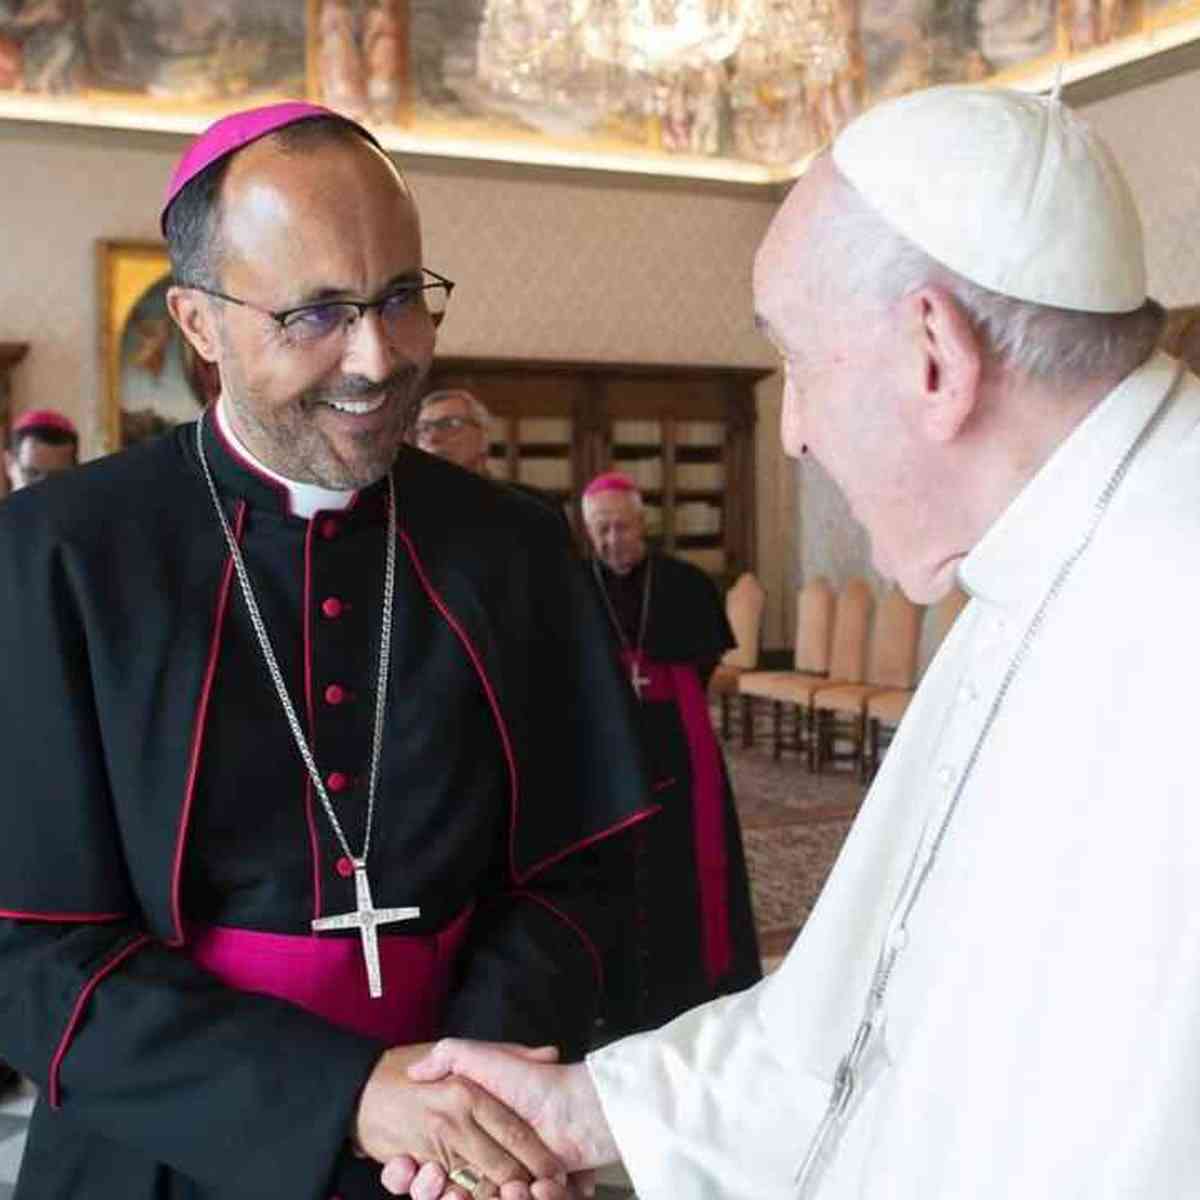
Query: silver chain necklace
point(366, 917)
point(636, 680)
point(846, 1077)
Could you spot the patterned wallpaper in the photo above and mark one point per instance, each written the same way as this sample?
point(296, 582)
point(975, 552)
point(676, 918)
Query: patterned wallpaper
point(1150, 131)
point(587, 267)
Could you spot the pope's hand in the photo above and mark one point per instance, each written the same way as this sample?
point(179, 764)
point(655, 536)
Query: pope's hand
point(450, 1122)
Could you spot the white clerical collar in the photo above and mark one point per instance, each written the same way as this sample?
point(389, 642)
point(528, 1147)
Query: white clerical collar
point(306, 499)
point(1012, 564)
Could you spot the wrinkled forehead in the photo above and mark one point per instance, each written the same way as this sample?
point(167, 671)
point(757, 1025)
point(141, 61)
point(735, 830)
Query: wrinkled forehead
point(447, 404)
point(33, 451)
point(784, 270)
point(339, 198)
point(610, 506)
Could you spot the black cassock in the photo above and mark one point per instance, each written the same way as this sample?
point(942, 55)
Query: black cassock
point(154, 801)
point(688, 928)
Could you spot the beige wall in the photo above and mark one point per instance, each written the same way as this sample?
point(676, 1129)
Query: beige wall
point(1151, 130)
point(552, 265)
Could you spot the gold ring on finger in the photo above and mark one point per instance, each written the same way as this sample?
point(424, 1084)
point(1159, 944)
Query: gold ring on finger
point(469, 1180)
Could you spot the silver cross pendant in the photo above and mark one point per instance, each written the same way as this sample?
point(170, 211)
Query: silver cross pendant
point(366, 919)
point(638, 680)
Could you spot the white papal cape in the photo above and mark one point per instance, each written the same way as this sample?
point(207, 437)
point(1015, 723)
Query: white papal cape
point(1043, 1023)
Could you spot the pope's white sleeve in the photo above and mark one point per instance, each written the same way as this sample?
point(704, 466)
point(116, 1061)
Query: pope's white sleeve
point(712, 1106)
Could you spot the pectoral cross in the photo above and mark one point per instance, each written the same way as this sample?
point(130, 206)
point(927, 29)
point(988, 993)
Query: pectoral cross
point(639, 681)
point(366, 918)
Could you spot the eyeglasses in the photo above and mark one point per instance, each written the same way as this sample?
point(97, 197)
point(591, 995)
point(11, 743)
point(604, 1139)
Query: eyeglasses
point(309, 324)
point(428, 428)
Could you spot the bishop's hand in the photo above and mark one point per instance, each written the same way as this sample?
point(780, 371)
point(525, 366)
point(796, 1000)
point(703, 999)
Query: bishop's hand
point(450, 1122)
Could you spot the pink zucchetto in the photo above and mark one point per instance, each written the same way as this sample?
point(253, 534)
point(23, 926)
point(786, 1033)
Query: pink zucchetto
point(44, 418)
point(232, 133)
point(610, 481)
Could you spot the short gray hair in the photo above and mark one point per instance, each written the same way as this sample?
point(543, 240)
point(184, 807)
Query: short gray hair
point(479, 410)
point(587, 503)
point(872, 261)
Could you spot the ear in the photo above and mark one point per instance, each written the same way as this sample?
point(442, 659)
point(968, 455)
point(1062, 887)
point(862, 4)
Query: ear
point(194, 316)
point(951, 361)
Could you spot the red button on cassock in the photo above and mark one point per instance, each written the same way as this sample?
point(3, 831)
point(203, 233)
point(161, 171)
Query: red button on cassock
point(335, 694)
point(345, 868)
point(336, 781)
point(332, 607)
point(330, 528)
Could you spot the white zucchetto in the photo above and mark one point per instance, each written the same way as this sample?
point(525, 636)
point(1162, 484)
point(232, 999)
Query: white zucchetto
point(1010, 190)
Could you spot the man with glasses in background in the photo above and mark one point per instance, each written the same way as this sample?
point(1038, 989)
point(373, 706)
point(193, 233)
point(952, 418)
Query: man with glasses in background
point(317, 729)
point(454, 424)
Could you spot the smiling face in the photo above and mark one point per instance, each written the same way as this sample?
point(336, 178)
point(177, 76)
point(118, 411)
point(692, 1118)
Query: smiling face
point(332, 222)
point(853, 391)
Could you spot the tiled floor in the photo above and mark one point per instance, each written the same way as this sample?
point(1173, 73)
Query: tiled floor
point(15, 1108)
point(793, 824)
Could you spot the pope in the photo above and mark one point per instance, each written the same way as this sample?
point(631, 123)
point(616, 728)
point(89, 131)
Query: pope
point(996, 994)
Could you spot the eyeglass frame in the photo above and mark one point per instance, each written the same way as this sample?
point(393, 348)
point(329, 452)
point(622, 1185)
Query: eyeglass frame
point(282, 315)
point(451, 424)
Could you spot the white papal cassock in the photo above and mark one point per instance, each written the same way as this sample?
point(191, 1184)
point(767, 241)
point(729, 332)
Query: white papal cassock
point(1043, 1022)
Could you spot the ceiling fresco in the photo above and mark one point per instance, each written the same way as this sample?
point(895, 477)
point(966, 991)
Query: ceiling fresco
point(726, 88)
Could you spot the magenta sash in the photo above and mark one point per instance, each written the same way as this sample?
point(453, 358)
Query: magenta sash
point(327, 976)
point(678, 683)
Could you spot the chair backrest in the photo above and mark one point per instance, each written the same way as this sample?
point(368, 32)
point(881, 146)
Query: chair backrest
point(744, 608)
point(945, 613)
point(851, 620)
point(814, 627)
point(896, 641)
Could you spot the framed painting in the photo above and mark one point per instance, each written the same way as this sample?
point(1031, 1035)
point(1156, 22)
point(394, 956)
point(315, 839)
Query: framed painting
point(11, 353)
point(152, 379)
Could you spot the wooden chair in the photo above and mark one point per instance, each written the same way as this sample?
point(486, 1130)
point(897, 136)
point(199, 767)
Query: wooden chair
point(844, 645)
point(841, 708)
point(744, 607)
point(810, 657)
point(886, 709)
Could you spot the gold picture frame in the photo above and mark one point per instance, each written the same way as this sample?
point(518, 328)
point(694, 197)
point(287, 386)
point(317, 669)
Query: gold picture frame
point(151, 378)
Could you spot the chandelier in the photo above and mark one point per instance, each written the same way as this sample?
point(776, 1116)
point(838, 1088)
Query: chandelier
point(657, 35)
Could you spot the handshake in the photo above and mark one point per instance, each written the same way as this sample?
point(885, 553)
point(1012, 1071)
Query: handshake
point(462, 1120)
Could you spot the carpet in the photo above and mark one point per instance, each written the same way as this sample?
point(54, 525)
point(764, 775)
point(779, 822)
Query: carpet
point(793, 826)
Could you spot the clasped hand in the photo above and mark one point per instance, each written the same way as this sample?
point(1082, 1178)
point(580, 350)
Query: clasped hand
point(551, 1113)
point(445, 1122)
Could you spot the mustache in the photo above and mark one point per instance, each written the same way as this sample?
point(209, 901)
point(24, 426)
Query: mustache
point(401, 383)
